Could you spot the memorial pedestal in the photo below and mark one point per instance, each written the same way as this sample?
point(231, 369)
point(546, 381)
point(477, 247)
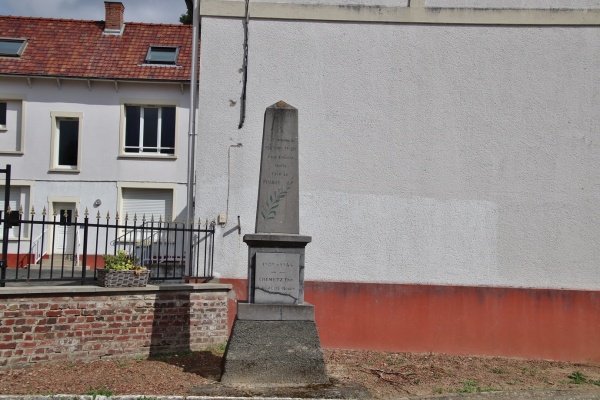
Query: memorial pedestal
point(274, 345)
point(274, 342)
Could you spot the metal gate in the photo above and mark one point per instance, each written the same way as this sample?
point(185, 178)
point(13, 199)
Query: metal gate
point(5, 218)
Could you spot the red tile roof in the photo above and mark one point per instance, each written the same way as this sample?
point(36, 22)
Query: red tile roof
point(80, 49)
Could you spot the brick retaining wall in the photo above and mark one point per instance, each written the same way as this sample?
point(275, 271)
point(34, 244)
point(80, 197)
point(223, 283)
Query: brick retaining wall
point(46, 324)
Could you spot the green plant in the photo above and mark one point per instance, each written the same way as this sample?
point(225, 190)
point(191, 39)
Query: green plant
point(577, 378)
point(468, 387)
point(121, 262)
point(102, 391)
point(217, 348)
point(438, 390)
point(394, 359)
point(498, 371)
point(528, 370)
point(472, 387)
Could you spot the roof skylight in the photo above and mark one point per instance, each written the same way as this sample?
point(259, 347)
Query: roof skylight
point(12, 47)
point(162, 55)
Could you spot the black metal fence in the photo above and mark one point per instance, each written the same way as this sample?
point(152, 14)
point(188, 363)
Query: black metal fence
point(58, 248)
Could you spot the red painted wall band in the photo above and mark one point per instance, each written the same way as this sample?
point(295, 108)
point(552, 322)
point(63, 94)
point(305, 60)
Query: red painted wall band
point(514, 322)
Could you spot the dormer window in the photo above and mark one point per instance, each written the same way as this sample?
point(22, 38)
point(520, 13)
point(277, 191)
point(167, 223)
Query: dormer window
point(162, 55)
point(12, 47)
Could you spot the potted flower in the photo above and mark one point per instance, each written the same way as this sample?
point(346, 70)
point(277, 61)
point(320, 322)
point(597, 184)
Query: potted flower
point(120, 270)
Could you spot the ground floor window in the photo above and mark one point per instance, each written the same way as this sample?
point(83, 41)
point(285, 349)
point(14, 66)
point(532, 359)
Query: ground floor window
point(19, 201)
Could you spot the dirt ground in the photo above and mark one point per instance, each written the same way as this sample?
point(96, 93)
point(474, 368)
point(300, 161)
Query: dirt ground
point(379, 375)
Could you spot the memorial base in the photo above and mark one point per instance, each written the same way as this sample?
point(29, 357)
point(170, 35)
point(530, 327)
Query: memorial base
point(274, 345)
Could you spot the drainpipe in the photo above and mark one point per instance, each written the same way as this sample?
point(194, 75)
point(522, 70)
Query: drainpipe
point(192, 134)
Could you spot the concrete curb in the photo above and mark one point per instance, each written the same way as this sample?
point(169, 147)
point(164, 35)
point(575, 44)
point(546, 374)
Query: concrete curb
point(517, 395)
point(133, 397)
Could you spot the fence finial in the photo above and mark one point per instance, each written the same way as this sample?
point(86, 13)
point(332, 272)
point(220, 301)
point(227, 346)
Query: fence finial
point(43, 211)
point(32, 211)
point(86, 213)
point(98, 215)
point(107, 216)
point(76, 214)
point(21, 209)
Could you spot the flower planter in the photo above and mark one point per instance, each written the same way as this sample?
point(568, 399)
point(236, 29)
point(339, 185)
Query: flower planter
point(112, 278)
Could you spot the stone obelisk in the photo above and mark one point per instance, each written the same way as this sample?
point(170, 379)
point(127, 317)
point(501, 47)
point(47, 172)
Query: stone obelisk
point(274, 339)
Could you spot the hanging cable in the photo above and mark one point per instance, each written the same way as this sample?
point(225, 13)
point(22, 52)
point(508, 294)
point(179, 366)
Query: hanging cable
point(244, 68)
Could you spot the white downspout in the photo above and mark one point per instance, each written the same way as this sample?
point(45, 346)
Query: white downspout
point(192, 133)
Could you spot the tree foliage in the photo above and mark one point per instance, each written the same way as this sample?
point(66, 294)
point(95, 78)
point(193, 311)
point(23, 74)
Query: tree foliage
point(188, 18)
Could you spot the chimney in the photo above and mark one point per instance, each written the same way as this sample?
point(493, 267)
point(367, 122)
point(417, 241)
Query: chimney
point(114, 17)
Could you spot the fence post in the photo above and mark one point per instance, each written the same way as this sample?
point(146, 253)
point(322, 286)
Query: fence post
point(5, 227)
point(85, 242)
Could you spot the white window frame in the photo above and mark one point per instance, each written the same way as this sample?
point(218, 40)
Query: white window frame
point(55, 137)
point(19, 129)
point(148, 103)
point(26, 208)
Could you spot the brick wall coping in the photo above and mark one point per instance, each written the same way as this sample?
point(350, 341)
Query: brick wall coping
point(70, 290)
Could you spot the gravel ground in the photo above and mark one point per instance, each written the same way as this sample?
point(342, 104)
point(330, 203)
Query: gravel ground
point(378, 375)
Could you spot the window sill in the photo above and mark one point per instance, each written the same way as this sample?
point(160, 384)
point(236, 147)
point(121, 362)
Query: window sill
point(146, 156)
point(12, 152)
point(63, 171)
point(16, 239)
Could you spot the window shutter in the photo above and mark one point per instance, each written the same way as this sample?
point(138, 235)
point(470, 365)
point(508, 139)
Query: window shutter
point(149, 202)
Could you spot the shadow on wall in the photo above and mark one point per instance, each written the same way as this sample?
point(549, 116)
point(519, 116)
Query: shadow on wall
point(170, 324)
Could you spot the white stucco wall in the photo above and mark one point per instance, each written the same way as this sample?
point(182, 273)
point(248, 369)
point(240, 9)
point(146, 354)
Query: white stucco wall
point(560, 4)
point(428, 154)
point(101, 167)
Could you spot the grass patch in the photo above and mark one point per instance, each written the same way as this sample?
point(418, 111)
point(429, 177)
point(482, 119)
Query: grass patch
point(528, 370)
point(394, 359)
point(472, 387)
point(103, 391)
point(578, 378)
